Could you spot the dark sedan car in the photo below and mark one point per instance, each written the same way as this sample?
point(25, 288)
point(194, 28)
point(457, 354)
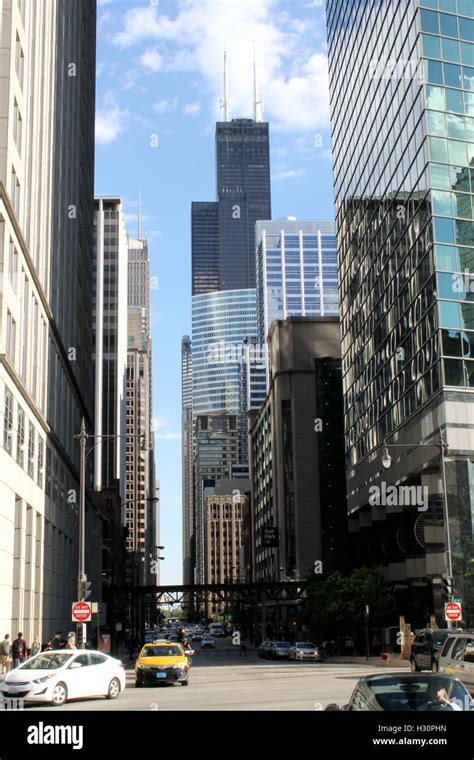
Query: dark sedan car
point(408, 692)
point(426, 649)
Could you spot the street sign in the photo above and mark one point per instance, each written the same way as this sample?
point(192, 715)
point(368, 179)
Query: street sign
point(81, 612)
point(270, 537)
point(453, 611)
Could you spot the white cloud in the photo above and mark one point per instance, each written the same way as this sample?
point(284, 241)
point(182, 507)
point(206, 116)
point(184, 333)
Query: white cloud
point(191, 109)
point(162, 106)
point(287, 174)
point(158, 423)
point(110, 123)
point(152, 59)
point(292, 66)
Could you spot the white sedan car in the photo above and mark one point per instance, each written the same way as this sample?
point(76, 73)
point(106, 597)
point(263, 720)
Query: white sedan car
point(55, 676)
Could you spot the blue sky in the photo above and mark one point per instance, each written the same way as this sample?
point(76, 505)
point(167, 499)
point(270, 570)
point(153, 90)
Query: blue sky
point(159, 73)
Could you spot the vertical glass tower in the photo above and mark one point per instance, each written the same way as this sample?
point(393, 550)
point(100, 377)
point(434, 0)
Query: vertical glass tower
point(402, 102)
point(296, 270)
point(223, 231)
point(243, 191)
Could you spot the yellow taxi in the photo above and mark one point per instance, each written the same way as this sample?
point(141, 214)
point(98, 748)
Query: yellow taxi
point(161, 662)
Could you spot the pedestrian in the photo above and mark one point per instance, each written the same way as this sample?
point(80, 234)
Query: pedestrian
point(35, 647)
point(56, 642)
point(19, 650)
point(5, 652)
point(71, 641)
point(375, 645)
point(243, 646)
point(46, 647)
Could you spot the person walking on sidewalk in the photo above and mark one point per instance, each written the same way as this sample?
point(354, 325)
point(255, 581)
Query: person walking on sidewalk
point(56, 642)
point(35, 647)
point(243, 646)
point(19, 650)
point(5, 652)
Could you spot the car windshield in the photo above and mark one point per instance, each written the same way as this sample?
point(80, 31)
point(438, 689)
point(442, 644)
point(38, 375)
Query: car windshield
point(47, 661)
point(161, 652)
point(284, 644)
point(439, 637)
point(408, 694)
point(305, 645)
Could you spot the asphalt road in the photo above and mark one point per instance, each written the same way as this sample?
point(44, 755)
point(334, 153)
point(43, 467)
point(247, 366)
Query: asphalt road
point(222, 680)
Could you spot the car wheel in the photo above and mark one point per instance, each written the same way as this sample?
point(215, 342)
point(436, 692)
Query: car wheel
point(138, 684)
point(184, 683)
point(114, 689)
point(414, 666)
point(59, 694)
point(434, 666)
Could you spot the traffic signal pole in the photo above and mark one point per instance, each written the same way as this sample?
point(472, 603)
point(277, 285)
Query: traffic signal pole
point(81, 576)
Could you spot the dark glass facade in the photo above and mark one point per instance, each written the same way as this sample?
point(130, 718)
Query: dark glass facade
point(205, 247)
point(243, 191)
point(223, 232)
point(403, 160)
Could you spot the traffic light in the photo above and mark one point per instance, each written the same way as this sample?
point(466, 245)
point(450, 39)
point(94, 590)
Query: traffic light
point(447, 588)
point(87, 590)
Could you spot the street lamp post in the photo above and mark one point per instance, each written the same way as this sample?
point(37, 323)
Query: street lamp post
point(442, 446)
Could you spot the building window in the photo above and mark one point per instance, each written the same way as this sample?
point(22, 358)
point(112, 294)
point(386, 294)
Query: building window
point(15, 192)
point(20, 438)
point(31, 450)
point(40, 462)
point(13, 266)
point(17, 126)
point(8, 422)
point(11, 336)
point(24, 327)
point(19, 61)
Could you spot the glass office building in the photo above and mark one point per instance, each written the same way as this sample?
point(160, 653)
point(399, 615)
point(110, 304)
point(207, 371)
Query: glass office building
point(402, 102)
point(221, 324)
point(296, 270)
point(223, 231)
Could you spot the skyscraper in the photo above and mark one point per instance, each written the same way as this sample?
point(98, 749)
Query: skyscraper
point(46, 383)
point(140, 482)
point(243, 191)
point(110, 334)
point(296, 275)
point(223, 231)
point(403, 145)
point(187, 460)
point(223, 289)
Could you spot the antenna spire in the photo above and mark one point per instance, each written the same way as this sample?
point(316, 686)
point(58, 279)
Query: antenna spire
point(257, 104)
point(225, 99)
point(139, 231)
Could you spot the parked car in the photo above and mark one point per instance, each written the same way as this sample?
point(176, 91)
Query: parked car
point(426, 648)
point(408, 692)
point(305, 650)
point(56, 676)
point(457, 658)
point(280, 650)
point(208, 642)
point(261, 649)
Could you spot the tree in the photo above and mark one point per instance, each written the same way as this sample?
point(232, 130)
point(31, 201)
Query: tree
point(339, 600)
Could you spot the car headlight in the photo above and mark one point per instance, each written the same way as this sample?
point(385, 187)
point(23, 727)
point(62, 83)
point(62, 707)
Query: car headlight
point(144, 667)
point(43, 679)
point(179, 665)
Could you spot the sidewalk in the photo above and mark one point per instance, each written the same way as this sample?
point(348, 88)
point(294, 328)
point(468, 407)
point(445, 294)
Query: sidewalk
point(394, 661)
